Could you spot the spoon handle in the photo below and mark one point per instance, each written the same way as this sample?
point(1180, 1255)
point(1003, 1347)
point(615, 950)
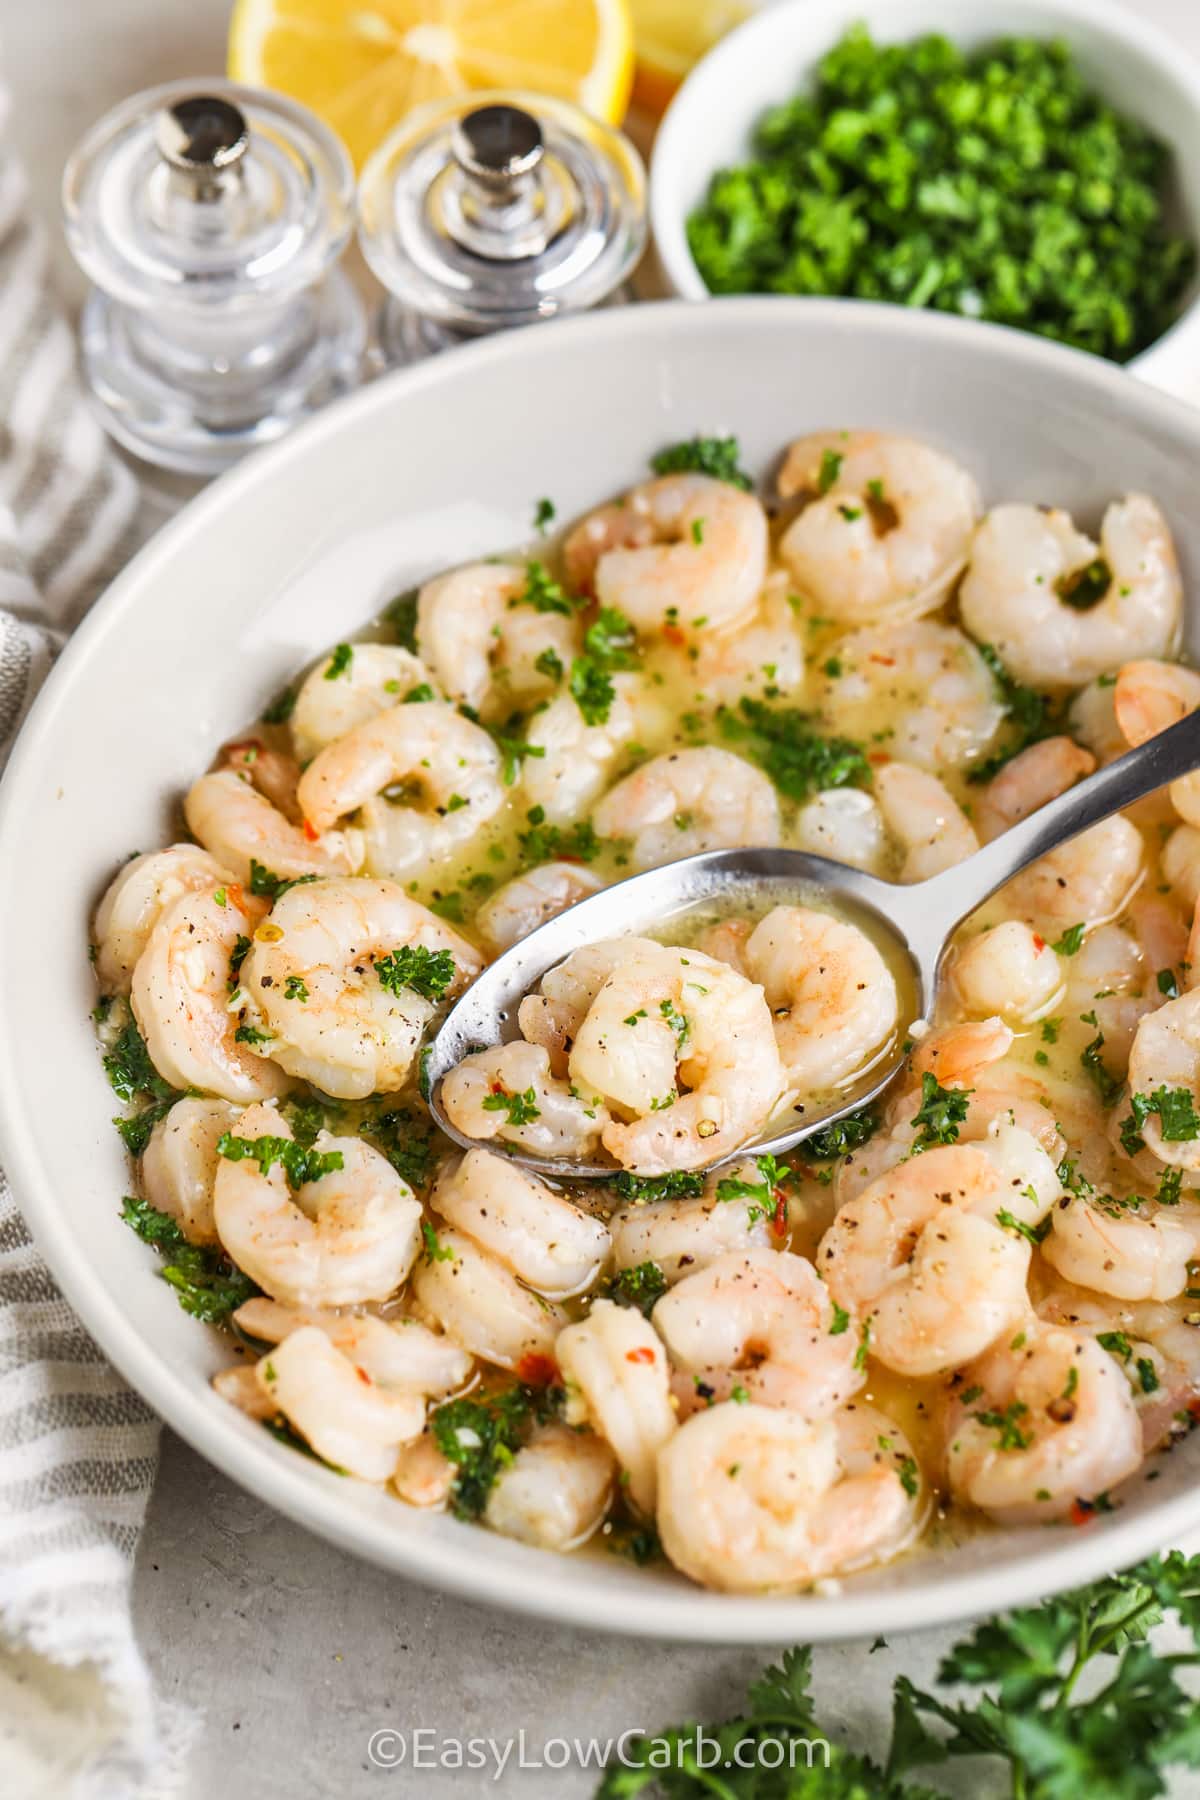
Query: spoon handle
point(947, 899)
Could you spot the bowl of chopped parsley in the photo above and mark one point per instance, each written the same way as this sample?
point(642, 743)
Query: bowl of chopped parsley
point(1035, 163)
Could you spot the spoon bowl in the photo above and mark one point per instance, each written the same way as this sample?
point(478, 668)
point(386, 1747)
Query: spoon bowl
point(916, 921)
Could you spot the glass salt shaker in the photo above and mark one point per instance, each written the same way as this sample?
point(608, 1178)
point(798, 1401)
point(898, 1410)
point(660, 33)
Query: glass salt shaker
point(485, 211)
point(209, 218)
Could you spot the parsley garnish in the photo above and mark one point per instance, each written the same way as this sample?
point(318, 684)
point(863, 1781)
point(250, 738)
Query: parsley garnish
point(207, 1285)
point(713, 456)
point(519, 1109)
point(269, 886)
point(548, 843)
point(1034, 1234)
point(842, 1135)
point(543, 514)
point(941, 1112)
point(1030, 717)
point(299, 1162)
point(339, 662)
point(543, 593)
point(798, 759)
point(680, 1184)
point(428, 973)
point(642, 1287)
point(133, 1077)
point(1070, 941)
point(1179, 1121)
point(482, 1436)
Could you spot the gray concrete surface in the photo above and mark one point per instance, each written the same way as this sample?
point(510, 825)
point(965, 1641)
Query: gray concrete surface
point(294, 1653)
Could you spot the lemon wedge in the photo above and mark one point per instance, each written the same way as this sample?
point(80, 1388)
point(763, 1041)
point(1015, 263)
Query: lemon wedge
point(672, 35)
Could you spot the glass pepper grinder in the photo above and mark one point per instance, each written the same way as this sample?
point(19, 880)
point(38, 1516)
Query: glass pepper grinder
point(208, 218)
point(486, 211)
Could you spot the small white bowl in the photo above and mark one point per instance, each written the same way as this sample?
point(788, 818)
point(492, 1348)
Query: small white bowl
point(774, 55)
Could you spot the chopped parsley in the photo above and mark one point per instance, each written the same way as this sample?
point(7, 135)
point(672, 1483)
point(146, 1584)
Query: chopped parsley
point(543, 514)
point(134, 1078)
point(842, 1135)
point(798, 759)
point(1179, 1121)
point(941, 1112)
point(518, 1108)
point(295, 988)
point(543, 593)
point(281, 708)
point(551, 843)
point(406, 1139)
point(207, 1285)
point(412, 967)
point(1033, 1234)
point(268, 886)
point(718, 457)
point(1092, 1063)
point(401, 615)
point(642, 1287)
point(339, 662)
point(1070, 941)
point(1007, 1423)
point(680, 1184)
point(831, 468)
point(299, 1162)
point(435, 1251)
point(1029, 716)
point(482, 1435)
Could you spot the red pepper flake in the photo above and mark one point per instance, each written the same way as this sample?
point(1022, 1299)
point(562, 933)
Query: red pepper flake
point(362, 1375)
point(536, 1370)
point(1039, 943)
point(888, 662)
point(878, 758)
point(497, 1087)
point(779, 1216)
point(1193, 1407)
point(643, 1354)
point(1082, 1512)
point(311, 832)
point(234, 891)
point(673, 635)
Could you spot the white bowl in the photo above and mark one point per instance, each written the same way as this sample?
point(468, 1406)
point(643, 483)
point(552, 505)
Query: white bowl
point(295, 550)
point(773, 56)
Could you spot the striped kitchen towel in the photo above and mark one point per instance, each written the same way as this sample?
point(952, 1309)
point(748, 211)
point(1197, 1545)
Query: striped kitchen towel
point(78, 1449)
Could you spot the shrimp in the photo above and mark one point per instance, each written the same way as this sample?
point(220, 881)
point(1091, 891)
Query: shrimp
point(1060, 609)
point(922, 1254)
point(528, 900)
point(135, 900)
point(1008, 970)
point(701, 558)
point(181, 999)
point(845, 825)
point(400, 1354)
point(757, 1498)
point(761, 1322)
point(1150, 697)
point(552, 1017)
point(920, 811)
point(764, 654)
point(1051, 1423)
point(1181, 863)
point(1133, 1249)
point(1092, 720)
point(571, 762)
point(270, 773)
point(617, 1380)
point(686, 1045)
point(424, 778)
point(832, 995)
point(347, 1236)
point(337, 696)
point(509, 1094)
point(321, 978)
point(886, 527)
point(681, 1236)
point(351, 1422)
point(555, 1491)
point(1086, 881)
point(549, 1244)
point(686, 801)
point(422, 1475)
point(179, 1163)
point(931, 681)
point(240, 827)
point(481, 640)
point(480, 1303)
point(1166, 1055)
point(1031, 779)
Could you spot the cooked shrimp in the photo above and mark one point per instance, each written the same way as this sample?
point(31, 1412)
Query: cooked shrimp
point(271, 773)
point(1052, 1423)
point(181, 999)
point(681, 1236)
point(549, 1244)
point(686, 1045)
point(931, 681)
point(348, 1236)
point(886, 527)
point(922, 1255)
point(754, 1498)
point(1031, 779)
point(763, 654)
point(831, 994)
point(315, 980)
point(923, 815)
point(400, 1354)
point(135, 900)
point(1166, 1054)
point(1008, 970)
point(617, 1380)
point(1150, 697)
point(686, 801)
point(762, 1322)
point(1086, 881)
point(479, 1302)
point(350, 1421)
point(337, 696)
point(1092, 720)
point(552, 1017)
point(509, 1094)
point(1018, 591)
point(572, 761)
point(845, 825)
point(179, 1163)
point(482, 643)
point(239, 826)
point(555, 1491)
point(422, 1475)
point(424, 778)
point(1180, 860)
point(701, 559)
point(1133, 1249)
point(528, 900)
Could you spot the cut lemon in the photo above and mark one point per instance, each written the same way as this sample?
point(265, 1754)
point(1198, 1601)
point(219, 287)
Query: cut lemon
point(670, 36)
point(363, 64)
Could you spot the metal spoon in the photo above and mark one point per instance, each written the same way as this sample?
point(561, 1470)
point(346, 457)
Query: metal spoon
point(919, 919)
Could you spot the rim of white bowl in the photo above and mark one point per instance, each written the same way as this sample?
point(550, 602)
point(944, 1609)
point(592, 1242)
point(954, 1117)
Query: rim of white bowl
point(707, 85)
point(460, 1563)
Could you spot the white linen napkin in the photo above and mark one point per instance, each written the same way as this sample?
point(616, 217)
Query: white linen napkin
point(78, 1449)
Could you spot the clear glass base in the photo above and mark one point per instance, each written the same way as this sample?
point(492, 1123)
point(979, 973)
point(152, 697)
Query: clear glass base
point(403, 336)
point(197, 405)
